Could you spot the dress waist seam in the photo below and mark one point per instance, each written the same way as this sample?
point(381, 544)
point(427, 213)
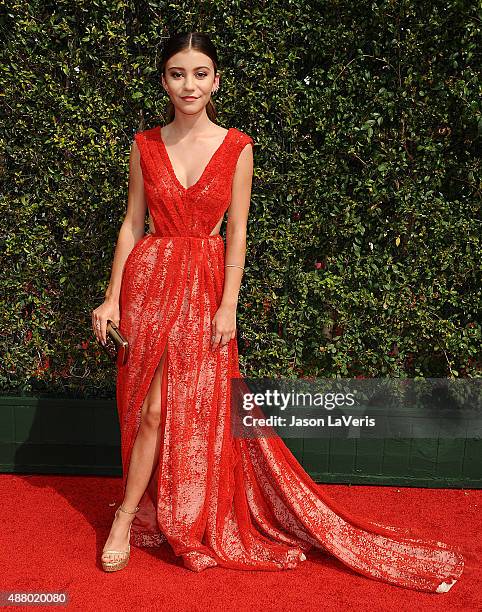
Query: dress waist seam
point(185, 237)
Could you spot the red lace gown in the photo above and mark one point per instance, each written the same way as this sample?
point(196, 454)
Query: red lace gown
point(219, 499)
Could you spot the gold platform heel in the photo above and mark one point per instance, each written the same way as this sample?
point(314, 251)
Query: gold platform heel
point(114, 566)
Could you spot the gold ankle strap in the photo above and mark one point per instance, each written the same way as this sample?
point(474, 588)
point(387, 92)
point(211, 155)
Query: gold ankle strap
point(127, 511)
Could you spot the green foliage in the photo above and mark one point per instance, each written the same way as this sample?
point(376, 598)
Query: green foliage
point(364, 232)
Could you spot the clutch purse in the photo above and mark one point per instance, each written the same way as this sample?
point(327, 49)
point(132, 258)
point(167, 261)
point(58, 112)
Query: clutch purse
point(116, 345)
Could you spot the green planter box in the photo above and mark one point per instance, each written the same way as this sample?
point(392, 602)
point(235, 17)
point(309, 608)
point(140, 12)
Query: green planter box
point(45, 435)
point(405, 461)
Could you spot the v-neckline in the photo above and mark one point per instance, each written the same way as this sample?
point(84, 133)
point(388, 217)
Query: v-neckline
point(206, 168)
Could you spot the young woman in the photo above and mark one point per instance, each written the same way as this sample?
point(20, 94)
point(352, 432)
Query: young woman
point(217, 499)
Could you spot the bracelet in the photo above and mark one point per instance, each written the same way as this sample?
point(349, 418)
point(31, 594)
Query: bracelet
point(233, 266)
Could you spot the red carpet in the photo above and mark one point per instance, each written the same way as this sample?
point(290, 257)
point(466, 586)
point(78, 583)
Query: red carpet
point(54, 529)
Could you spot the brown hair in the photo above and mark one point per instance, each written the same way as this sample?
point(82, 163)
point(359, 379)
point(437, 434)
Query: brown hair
point(180, 42)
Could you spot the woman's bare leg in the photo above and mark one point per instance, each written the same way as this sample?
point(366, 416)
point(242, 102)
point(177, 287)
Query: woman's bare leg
point(144, 459)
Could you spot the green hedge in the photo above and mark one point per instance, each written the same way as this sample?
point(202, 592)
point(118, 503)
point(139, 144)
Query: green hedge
point(364, 233)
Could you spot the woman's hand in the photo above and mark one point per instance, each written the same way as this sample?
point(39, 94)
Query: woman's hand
point(223, 326)
point(108, 310)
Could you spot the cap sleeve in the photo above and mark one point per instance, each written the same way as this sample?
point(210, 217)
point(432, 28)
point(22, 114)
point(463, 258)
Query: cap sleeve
point(248, 140)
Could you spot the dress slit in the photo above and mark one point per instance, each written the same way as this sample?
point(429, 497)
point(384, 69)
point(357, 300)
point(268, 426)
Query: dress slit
point(144, 532)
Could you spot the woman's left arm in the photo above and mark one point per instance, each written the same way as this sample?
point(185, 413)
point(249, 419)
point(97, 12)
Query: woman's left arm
point(224, 321)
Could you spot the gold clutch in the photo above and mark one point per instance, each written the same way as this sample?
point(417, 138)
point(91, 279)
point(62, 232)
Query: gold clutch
point(116, 345)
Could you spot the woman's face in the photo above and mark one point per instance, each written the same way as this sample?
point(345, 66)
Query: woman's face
point(190, 74)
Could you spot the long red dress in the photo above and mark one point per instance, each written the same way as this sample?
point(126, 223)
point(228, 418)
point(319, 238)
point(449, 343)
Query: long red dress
point(218, 499)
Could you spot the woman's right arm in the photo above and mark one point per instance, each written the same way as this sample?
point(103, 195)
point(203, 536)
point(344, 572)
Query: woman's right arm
point(131, 231)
